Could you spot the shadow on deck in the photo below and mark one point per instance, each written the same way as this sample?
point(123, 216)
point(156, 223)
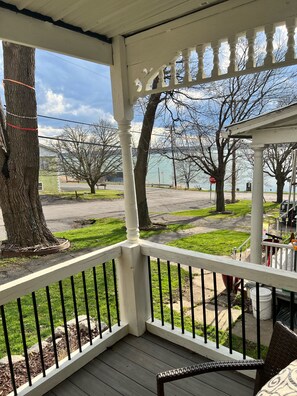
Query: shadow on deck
point(130, 366)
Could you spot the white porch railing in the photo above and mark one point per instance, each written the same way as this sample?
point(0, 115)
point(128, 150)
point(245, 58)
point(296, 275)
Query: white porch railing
point(151, 283)
point(279, 256)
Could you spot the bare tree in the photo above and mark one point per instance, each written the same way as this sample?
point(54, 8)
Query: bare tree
point(278, 164)
point(19, 155)
point(91, 154)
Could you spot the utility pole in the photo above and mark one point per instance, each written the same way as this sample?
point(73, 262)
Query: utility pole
point(173, 158)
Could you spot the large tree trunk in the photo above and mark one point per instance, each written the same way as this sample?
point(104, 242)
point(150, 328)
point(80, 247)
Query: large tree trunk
point(220, 203)
point(19, 200)
point(140, 170)
point(280, 184)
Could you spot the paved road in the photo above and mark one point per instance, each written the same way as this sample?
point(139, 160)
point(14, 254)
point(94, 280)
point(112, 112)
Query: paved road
point(61, 216)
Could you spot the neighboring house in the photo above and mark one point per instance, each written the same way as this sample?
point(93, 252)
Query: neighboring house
point(48, 170)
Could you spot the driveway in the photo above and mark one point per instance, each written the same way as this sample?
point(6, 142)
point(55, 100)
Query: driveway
point(61, 214)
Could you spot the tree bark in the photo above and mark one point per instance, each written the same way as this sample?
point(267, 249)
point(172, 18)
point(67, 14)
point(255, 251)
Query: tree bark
point(19, 199)
point(140, 169)
point(220, 205)
point(280, 184)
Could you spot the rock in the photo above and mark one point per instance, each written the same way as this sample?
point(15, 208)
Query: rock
point(72, 322)
point(59, 332)
point(14, 358)
point(35, 348)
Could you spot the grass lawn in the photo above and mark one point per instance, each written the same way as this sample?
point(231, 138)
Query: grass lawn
point(241, 208)
point(219, 242)
point(87, 196)
point(105, 232)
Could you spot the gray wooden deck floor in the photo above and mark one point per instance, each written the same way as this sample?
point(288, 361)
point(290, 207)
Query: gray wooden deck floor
point(130, 366)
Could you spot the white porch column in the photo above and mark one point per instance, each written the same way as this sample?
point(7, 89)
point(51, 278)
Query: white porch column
point(129, 184)
point(257, 205)
point(123, 114)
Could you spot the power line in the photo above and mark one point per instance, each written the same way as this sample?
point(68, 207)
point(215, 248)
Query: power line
point(85, 123)
point(78, 142)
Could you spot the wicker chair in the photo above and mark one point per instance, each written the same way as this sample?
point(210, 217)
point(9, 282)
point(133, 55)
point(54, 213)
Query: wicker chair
point(282, 351)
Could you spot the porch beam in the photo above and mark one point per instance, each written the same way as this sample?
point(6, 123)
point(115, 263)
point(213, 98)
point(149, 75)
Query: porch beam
point(22, 29)
point(275, 135)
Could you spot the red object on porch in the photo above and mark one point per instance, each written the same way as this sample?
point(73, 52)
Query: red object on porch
point(231, 281)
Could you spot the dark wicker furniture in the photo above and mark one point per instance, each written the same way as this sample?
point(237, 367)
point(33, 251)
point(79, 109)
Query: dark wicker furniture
point(282, 351)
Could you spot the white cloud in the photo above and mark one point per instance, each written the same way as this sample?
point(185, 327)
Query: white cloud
point(46, 130)
point(54, 104)
point(57, 104)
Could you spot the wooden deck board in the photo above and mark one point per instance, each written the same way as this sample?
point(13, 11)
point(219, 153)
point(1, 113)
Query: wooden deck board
point(130, 367)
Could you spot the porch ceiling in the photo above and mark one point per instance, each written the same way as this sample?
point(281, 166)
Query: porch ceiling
point(275, 127)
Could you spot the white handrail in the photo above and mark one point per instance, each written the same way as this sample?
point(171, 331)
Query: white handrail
point(254, 272)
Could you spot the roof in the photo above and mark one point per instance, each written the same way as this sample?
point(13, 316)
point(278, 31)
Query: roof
point(282, 120)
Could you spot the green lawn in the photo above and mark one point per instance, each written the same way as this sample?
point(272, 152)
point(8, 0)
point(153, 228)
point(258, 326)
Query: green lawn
point(241, 208)
point(219, 242)
point(105, 232)
point(87, 196)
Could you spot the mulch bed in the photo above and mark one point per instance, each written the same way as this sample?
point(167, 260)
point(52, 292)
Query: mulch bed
point(20, 370)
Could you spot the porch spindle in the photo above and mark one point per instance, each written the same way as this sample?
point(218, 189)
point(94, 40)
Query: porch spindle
point(116, 291)
point(8, 349)
point(215, 294)
point(50, 312)
point(258, 320)
point(97, 301)
point(24, 340)
point(106, 296)
point(269, 59)
point(200, 72)
point(181, 298)
point(232, 66)
point(292, 310)
point(243, 318)
point(203, 306)
point(250, 36)
point(186, 62)
point(216, 62)
point(173, 80)
point(170, 295)
point(229, 278)
point(87, 306)
point(75, 313)
point(64, 319)
point(160, 291)
point(150, 288)
point(38, 333)
point(192, 302)
point(291, 26)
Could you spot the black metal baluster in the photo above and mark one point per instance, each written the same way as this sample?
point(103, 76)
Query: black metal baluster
point(97, 301)
point(24, 340)
point(160, 291)
point(150, 287)
point(116, 291)
point(192, 302)
point(50, 312)
point(181, 298)
point(87, 306)
point(64, 319)
point(75, 312)
point(170, 295)
point(229, 279)
point(38, 333)
point(243, 319)
point(273, 305)
point(292, 310)
point(258, 320)
point(216, 308)
point(106, 296)
point(8, 349)
point(203, 305)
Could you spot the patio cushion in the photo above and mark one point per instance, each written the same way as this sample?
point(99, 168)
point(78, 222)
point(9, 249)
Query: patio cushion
point(284, 383)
